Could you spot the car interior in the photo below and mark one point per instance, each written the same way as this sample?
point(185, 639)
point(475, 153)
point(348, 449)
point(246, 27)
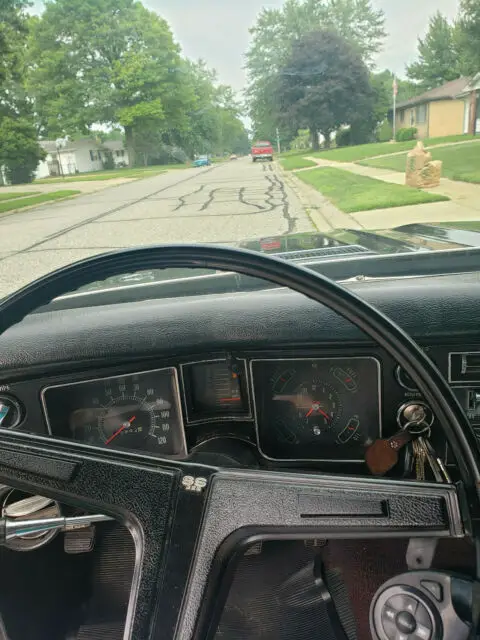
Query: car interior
point(296, 461)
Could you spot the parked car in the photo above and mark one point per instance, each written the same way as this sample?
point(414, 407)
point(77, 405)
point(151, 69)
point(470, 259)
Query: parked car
point(233, 156)
point(262, 150)
point(201, 161)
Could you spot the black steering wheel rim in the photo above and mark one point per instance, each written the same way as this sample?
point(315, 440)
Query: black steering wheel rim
point(372, 322)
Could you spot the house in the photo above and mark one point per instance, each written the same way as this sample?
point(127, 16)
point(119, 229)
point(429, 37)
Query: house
point(443, 111)
point(79, 156)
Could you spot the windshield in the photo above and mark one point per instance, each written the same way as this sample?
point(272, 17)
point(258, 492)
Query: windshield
point(312, 129)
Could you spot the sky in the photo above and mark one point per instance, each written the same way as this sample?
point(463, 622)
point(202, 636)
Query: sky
point(217, 30)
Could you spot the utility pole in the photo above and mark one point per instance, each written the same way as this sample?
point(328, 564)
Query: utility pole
point(278, 141)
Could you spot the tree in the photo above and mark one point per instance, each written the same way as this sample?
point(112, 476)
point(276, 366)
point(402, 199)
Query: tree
point(20, 152)
point(324, 84)
point(382, 85)
point(19, 149)
point(277, 29)
point(437, 56)
point(105, 62)
point(467, 37)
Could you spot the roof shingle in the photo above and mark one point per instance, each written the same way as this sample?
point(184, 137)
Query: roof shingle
point(447, 91)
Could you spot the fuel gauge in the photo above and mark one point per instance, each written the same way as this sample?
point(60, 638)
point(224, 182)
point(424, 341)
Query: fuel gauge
point(216, 388)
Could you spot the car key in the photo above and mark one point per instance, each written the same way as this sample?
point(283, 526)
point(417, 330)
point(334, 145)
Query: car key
point(382, 454)
point(420, 455)
point(436, 463)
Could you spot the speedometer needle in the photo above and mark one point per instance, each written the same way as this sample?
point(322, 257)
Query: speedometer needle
point(124, 426)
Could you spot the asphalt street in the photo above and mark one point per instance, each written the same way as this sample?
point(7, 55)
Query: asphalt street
point(224, 203)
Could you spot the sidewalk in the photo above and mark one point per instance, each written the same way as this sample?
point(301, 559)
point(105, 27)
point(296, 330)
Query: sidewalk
point(464, 201)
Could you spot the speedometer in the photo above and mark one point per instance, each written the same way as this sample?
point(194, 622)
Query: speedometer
point(136, 411)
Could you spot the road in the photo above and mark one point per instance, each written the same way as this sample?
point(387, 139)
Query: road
point(223, 203)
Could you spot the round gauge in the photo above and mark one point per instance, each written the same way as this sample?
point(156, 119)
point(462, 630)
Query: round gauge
point(139, 411)
point(312, 407)
point(10, 412)
point(127, 420)
point(317, 408)
point(121, 414)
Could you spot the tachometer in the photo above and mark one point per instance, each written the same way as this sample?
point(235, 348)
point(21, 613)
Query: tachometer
point(135, 411)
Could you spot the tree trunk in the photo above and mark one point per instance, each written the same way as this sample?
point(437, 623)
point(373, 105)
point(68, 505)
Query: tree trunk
point(326, 135)
point(145, 159)
point(472, 125)
point(130, 147)
point(314, 136)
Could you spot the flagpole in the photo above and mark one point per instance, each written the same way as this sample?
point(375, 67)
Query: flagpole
point(394, 106)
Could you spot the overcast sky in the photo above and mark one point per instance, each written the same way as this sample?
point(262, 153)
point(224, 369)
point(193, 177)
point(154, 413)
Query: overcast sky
point(217, 30)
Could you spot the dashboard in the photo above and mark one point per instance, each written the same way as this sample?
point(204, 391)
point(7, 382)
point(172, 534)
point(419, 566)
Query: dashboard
point(265, 379)
point(303, 408)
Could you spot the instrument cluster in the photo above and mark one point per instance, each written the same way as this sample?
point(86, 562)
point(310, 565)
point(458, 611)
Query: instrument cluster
point(289, 408)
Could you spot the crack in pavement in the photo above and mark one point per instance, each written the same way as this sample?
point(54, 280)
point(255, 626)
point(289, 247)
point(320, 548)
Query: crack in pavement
point(241, 198)
point(187, 195)
point(99, 216)
point(210, 199)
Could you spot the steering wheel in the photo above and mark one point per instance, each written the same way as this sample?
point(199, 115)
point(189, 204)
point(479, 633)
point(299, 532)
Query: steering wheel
point(188, 519)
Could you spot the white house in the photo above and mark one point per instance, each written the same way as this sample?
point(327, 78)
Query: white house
point(79, 156)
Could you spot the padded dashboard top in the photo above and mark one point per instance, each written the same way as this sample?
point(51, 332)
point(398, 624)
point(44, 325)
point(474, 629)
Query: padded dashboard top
point(430, 309)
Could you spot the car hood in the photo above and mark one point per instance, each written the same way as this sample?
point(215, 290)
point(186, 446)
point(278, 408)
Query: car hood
point(313, 248)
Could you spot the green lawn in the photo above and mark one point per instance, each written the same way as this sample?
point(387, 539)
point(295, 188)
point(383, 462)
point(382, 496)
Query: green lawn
point(296, 162)
point(137, 172)
point(18, 194)
point(363, 151)
point(19, 203)
point(351, 192)
point(460, 162)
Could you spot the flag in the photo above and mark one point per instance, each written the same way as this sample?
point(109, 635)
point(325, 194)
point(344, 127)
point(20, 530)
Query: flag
point(395, 86)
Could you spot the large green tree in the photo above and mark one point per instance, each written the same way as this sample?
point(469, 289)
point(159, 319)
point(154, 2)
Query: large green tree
point(276, 30)
point(105, 61)
point(19, 148)
point(437, 55)
point(324, 84)
point(467, 37)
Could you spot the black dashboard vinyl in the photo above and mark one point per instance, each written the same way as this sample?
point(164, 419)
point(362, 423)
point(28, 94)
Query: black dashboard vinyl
point(198, 337)
point(436, 309)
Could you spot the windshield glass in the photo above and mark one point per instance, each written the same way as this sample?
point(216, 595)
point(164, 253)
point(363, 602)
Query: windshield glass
point(311, 129)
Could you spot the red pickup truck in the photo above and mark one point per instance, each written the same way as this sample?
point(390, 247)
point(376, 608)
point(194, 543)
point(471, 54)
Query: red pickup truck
point(262, 150)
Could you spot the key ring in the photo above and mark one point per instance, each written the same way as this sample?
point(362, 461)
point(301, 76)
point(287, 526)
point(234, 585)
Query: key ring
point(418, 428)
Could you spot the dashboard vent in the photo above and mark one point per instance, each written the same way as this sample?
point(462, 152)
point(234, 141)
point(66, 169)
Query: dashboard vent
point(464, 366)
point(323, 252)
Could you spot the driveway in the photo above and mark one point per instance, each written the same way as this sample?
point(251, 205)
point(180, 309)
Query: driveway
point(224, 203)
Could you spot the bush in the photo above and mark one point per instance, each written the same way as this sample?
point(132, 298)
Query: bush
point(342, 139)
point(409, 133)
point(107, 159)
point(384, 132)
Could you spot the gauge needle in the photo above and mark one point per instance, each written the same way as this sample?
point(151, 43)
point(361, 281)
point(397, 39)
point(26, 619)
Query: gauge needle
point(124, 426)
point(315, 407)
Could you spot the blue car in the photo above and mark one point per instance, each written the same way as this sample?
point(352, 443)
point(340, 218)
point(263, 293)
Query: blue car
point(201, 161)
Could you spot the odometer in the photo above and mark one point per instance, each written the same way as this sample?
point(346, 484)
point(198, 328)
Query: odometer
point(138, 411)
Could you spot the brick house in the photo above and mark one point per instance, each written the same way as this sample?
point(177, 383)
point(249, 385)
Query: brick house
point(443, 111)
